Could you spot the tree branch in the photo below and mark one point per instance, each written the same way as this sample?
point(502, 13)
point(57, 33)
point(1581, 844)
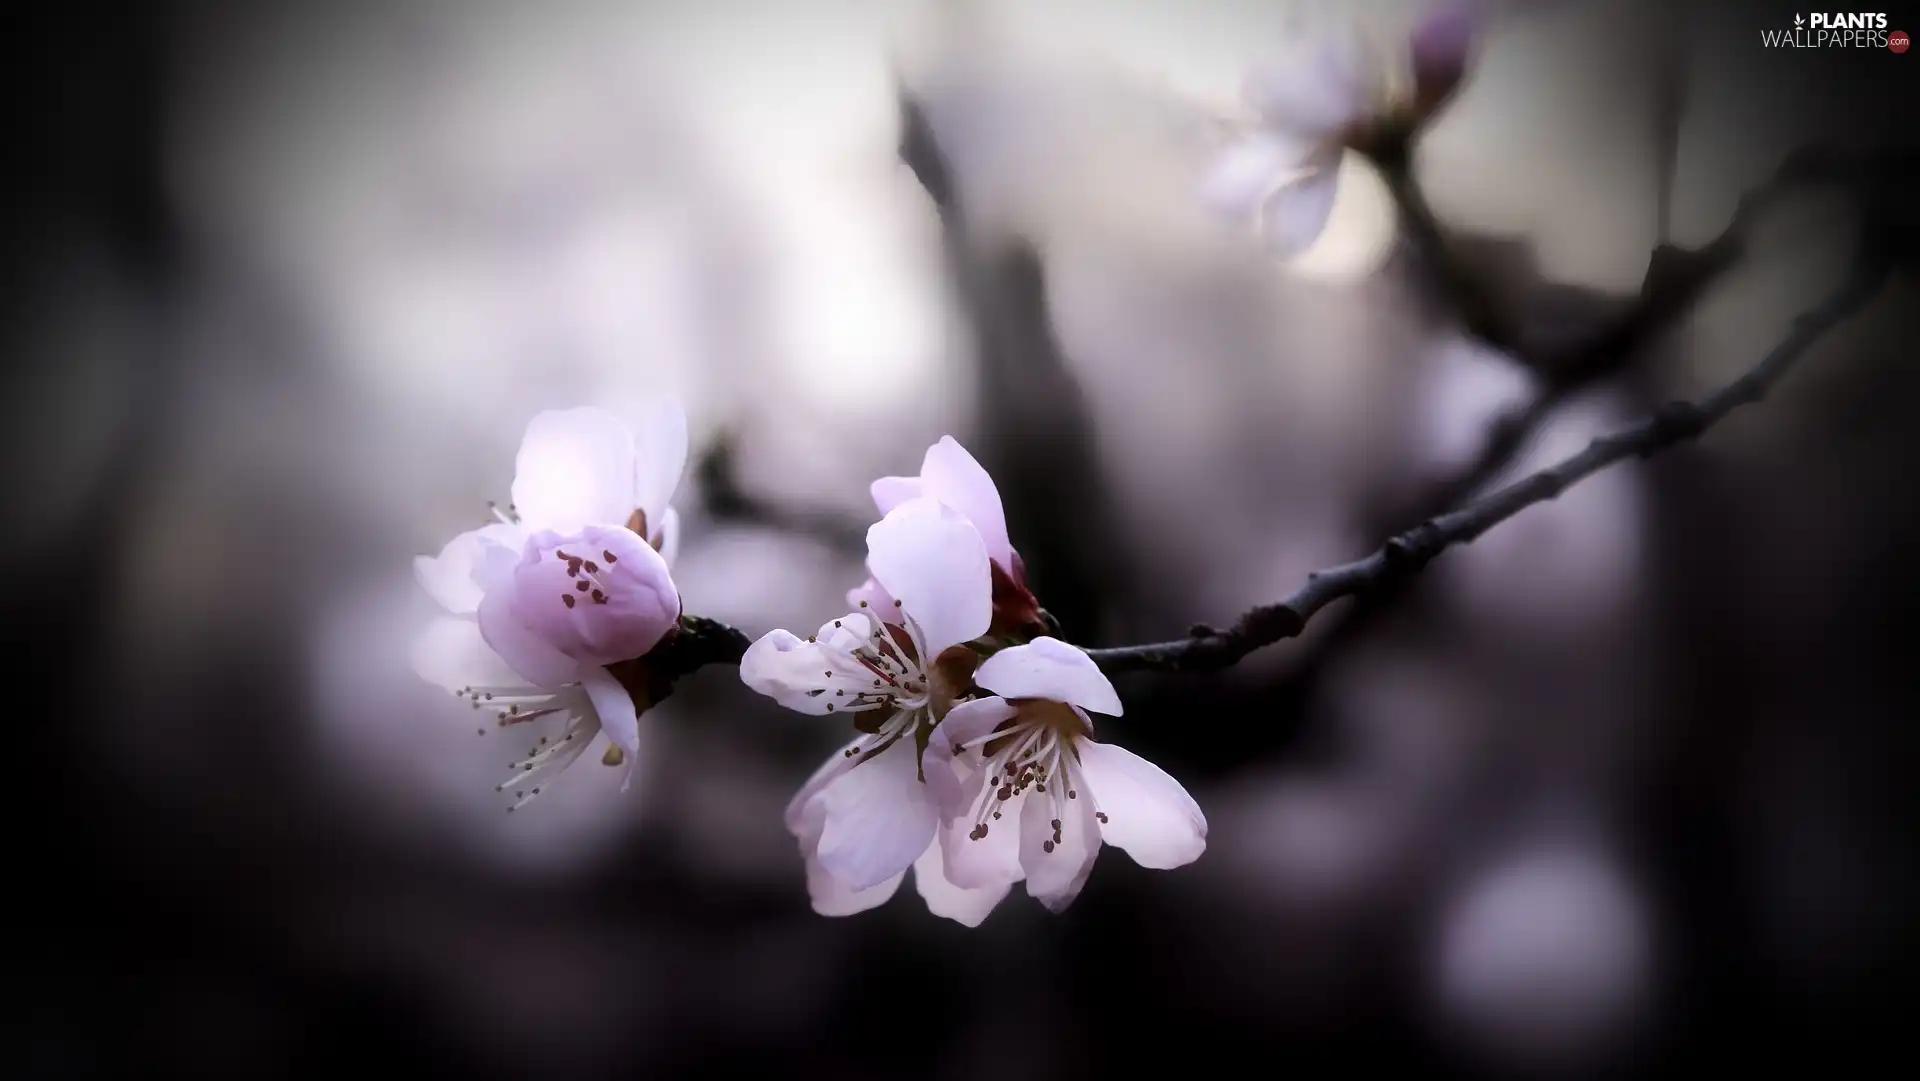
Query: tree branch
point(1209, 649)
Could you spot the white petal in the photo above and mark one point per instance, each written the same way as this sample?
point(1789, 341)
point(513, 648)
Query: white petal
point(930, 558)
point(799, 812)
point(789, 670)
point(667, 537)
point(451, 578)
point(618, 718)
point(964, 906)
point(969, 721)
point(1295, 214)
point(1049, 668)
point(536, 661)
point(1148, 813)
point(994, 859)
point(1247, 170)
point(1316, 90)
point(830, 896)
point(1054, 878)
point(880, 817)
point(451, 653)
point(659, 459)
point(951, 475)
point(575, 469)
point(875, 598)
point(890, 492)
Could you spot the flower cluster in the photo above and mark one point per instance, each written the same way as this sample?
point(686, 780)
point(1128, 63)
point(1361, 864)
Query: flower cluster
point(974, 762)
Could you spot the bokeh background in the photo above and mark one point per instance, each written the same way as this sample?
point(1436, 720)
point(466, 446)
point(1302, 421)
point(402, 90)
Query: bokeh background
point(1624, 786)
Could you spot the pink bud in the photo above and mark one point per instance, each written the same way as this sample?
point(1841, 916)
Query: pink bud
point(598, 596)
point(1440, 46)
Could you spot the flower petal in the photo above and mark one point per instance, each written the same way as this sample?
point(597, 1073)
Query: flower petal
point(880, 817)
point(451, 653)
point(536, 661)
point(830, 896)
point(666, 539)
point(1049, 668)
point(980, 861)
point(868, 596)
point(452, 577)
point(799, 812)
point(931, 559)
point(1295, 213)
point(1247, 170)
point(1148, 813)
point(890, 492)
point(599, 596)
point(1315, 90)
point(951, 475)
point(659, 459)
point(800, 674)
point(618, 717)
point(1054, 877)
point(1440, 46)
point(969, 721)
point(963, 906)
point(575, 469)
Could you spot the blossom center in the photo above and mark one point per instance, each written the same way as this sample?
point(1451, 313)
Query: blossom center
point(1031, 755)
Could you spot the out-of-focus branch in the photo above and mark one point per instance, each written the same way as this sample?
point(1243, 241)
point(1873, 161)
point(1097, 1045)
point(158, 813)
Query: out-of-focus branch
point(1210, 649)
point(726, 500)
point(1675, 281)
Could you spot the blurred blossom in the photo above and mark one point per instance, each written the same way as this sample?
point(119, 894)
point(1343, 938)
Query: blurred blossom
point(1570, 565)
point(1316, 838)
point(1546, 951)
point(1469, 387)
point(1322, 95)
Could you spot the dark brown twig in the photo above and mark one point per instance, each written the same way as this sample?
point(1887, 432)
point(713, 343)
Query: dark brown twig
point(1209, 649)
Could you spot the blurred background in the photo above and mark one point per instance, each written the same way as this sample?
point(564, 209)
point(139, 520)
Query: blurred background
point(1615, 789)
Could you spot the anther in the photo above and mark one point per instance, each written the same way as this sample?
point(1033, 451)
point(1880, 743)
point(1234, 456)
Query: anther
point(568, 598)
point(583, 585)
point(1046, 846)
point(599, 597)
point(608, 556)
point(592, 567)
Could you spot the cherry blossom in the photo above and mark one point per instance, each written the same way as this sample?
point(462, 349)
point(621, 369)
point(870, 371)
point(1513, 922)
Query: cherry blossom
point(1038, 795)
point(954, 478)
point(872, 811)
point(551, 608)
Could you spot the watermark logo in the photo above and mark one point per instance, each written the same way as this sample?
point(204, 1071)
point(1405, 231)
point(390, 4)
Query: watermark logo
point(1829, 29)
